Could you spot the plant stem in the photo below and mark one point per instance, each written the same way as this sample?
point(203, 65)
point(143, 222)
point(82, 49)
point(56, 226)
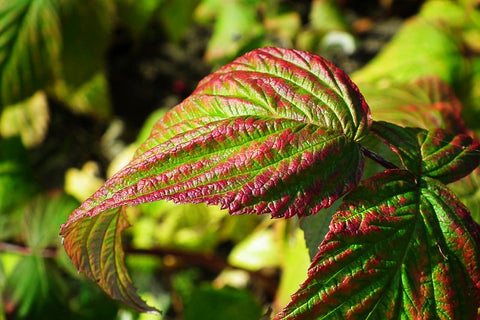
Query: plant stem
point(378, 159)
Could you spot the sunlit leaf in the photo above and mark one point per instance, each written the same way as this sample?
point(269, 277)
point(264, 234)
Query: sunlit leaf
point(27, 119)
point(420, 48)
point(275, 132)
point(30, 46)
point(236, 27)
point(435, 154)
point(397, 249)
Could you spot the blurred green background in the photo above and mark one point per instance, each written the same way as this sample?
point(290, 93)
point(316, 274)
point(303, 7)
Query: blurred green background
point(83, 81)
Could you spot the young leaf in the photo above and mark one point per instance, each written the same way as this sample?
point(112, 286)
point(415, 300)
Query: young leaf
point(435, 154)
point(397, 249)
point(274, 132)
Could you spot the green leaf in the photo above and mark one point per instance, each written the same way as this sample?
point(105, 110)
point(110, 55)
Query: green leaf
point(15, 174)
point(28, 119)
point(420, 48)
point(30, 46)
point(397, 249)
point(95, 246)
point(86, 30)
point(237, 26)
point(435, 154)
point(136, 14)
point(274, 132)
point(226, 303)
point(468, 190)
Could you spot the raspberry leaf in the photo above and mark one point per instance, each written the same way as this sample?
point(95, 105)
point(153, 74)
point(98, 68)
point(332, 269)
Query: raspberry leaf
point(276, 131)
point(436, 154)
point(426, 265)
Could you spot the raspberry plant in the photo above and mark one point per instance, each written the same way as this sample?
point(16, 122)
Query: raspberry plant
point(281, 132)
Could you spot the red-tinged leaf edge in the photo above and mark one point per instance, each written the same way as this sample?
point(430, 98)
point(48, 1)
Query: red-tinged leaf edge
point(396, 249)
point(94, 245)
point(436, 153)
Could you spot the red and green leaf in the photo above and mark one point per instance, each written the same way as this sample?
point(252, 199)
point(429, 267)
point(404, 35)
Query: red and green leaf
point(397, 249)
point(276, 131)
point(436, 154)
point(95, 248)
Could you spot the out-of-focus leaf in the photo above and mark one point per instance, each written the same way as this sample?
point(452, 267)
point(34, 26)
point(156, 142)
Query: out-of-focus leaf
point(420, 48)
point(236, 27)
point(176, 17)
point(326, 16)
point(34, 290)
point(283, 27)
point(426, 265)
point(447, 12)
point(95, 246)
point(426, 102)
point(82, 183)
point(315, 227)
point(468, 190)
point(27, 119)
point(294, 262)
point(86, 31)
point(92, 97)
point(30, 46)
point(259, 250)
point(136, 14)
point(188, 227)
point(42, 218)
point(15, 174)
point(275, 131)
point(227, 303)
point(434, 154)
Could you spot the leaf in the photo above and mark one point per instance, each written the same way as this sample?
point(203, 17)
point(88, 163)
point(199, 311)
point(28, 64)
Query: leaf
point(29, 119)
point(226, 303)
point(274, 132)
point(468, 190)
point(435, 154)
point(420, 48)
point(15, 174)
point(30, 45)
point(86, 30)
point(95, 248)
point(427, 102)
point(237, 26)
point(396, 250)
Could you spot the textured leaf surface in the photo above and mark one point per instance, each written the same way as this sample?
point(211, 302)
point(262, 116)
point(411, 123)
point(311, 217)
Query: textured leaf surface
point(30, 43)
point(435, 154)
point(95, 247)
point(396, 250)
point(274, 132)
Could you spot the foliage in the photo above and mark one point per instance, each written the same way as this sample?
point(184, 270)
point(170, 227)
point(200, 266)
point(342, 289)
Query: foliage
point(277, 131)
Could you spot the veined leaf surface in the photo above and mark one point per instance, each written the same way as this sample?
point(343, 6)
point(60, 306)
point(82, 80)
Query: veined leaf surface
point(275, 132)
point(436, 154)
point(396, 249)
